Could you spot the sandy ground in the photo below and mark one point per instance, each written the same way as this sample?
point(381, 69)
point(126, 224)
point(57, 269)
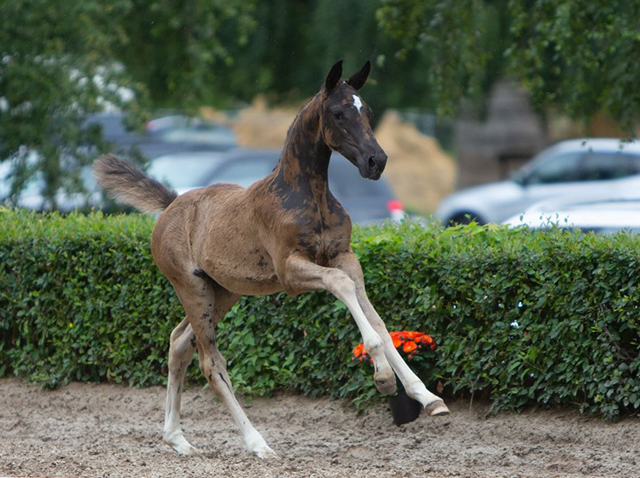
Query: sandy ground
point(110, 430)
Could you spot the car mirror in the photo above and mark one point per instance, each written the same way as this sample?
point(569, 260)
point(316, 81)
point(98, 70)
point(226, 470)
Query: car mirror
point(519, 177)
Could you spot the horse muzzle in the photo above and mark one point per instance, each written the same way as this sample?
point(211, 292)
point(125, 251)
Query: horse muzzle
point(372, 165)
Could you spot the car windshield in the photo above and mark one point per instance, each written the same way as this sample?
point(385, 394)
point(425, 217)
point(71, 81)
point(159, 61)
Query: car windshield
point(583, 164)
point(244, 171)
point(183, 171)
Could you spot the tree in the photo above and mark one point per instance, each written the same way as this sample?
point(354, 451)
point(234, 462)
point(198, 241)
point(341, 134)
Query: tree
point(56, 65)
point(175, 47)
point(295, 43)
point(580, 55)
point(61, 61)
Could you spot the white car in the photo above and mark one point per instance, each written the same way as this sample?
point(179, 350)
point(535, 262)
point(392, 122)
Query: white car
point(602, 212)
point(574, 167)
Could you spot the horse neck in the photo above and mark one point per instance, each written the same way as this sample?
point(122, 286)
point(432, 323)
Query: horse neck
point(304, 163)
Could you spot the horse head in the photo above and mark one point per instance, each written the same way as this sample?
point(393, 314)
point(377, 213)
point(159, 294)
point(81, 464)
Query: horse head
point(346, 121)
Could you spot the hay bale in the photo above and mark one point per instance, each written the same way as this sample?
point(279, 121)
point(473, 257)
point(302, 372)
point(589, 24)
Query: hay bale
point(261, 127)
point(420, 172)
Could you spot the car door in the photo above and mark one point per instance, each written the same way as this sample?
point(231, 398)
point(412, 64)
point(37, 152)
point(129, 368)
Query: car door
point(574, 173)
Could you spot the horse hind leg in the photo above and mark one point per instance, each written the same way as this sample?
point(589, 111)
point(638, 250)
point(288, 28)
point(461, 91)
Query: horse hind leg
point(205, 303)
point(182, 346)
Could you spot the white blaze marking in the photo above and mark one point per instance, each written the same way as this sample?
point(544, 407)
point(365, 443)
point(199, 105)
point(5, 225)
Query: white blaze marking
point(357, 103)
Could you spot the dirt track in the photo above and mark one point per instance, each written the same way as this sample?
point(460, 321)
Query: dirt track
point(109, 430)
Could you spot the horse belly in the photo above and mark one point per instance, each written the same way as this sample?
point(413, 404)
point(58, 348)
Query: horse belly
point(252, 284)
point(244, 272)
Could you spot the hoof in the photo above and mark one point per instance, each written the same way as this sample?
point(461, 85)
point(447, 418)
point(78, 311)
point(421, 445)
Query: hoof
point(182, 446)
point(257, 446)
point(266, 453)
point(263, 451)
point(386, 387)
point(437, 409)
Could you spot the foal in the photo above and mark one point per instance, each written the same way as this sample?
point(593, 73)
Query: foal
point(286, 232)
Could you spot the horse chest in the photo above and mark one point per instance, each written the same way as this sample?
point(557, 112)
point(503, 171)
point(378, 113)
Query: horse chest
point(326, 233)
point(322, 245)
point(324, 251)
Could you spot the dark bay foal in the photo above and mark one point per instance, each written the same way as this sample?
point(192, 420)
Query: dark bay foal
point(286, 232)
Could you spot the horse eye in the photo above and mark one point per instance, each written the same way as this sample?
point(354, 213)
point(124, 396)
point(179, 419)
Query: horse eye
point(337, 114)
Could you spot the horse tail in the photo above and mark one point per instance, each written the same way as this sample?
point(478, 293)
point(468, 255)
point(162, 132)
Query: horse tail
point(128, 184)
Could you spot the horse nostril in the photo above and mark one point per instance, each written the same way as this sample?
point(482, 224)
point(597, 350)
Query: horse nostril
point(372, 161)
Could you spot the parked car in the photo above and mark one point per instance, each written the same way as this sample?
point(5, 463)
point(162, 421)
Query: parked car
point(31, 196)
point(165, 135)
point(601, 212)
point(573, 167)
point(186, 170)
point(185, 129)
point(366, 201)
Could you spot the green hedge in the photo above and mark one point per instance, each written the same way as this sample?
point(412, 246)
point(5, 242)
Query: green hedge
point(520, 317)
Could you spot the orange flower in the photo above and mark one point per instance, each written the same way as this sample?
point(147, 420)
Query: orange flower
point(411, 342)
point(409, 347)
point(396, 341)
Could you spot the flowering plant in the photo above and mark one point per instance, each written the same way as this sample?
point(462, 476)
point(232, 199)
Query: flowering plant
point(409, 341)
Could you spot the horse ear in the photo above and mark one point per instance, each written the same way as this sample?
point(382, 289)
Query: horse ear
point(360, 78)
point(334, 76)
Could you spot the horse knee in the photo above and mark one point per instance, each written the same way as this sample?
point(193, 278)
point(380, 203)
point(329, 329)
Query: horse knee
point(340, 285)
point(374, 344)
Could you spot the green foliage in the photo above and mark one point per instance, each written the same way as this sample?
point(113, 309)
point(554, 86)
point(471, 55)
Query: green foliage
point(56, 66)
point(294, 44)
point(184, 45)
point(520, 317)
point(453, 34)
point(62, 61)
point(577, 54)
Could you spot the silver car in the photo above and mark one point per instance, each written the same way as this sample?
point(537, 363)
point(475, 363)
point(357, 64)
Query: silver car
point(574, 167)
point(600, 213)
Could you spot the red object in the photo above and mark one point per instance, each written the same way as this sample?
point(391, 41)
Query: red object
point(411, 341)
point(395, 205)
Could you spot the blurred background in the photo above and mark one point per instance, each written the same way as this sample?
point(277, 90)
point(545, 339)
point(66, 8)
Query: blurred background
point(465, 93)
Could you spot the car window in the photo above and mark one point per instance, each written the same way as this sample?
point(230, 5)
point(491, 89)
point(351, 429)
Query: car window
point(602, 166)
point(634, 164)
point(345, 181)
point(556, 169)
point(187, 172)
point(244, 172)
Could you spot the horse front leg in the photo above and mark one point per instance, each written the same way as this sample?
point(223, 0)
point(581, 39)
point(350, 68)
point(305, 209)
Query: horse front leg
point(414, 387)
point(303, 275)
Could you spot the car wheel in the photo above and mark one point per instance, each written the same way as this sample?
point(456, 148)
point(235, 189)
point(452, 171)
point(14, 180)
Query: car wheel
point(463, 218)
